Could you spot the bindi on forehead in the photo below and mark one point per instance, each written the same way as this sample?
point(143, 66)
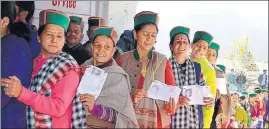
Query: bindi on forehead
point(149, 32)
point(54, 31)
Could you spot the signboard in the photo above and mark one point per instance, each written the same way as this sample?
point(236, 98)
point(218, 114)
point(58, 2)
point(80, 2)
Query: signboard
point(71, 7)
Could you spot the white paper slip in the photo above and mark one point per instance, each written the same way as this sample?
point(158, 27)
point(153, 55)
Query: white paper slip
point(162, 91)
point(221, 86)
point(92, 81)
point(195, 93)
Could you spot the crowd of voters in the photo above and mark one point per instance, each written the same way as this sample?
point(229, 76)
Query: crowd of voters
point(41, 68)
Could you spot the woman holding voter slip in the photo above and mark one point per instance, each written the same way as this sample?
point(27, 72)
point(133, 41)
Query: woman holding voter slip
point(145, 66)
point(186, 73)
point(200, 45)
point(113, 107)
point(52, 99)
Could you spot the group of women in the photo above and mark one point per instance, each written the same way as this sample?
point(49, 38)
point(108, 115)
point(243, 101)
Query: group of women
point(52, 100)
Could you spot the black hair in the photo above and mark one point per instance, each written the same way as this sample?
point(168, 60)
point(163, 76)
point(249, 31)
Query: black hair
point(27, 6)
point(114, 44)
point(42, 28)
point(235, 93)
point(141, 26)
point(81, 25)
point(173, 38)
point(8, 10)
point(21, 30)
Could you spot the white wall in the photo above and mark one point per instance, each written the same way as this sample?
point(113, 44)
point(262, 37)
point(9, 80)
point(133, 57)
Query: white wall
point(84, 9)
point(118, 14)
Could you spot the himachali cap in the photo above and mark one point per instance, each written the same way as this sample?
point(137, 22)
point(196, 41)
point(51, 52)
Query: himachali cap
point(76, 19)
point(222, 67)
point(96, 21)
point(257, 91)
point(202, 35)
point(179, 30)
point(252, 95)
point(245, 93)
point(242, 97)
point(105, 30)
point(264, 91)
point(50, 16)
point(146, 17)
point(214, 46)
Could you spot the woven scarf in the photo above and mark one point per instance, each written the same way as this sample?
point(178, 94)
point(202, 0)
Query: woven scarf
point(49, 74)
point(146, 109)
point(184, 76)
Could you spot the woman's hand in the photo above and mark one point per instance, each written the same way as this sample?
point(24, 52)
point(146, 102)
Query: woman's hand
point(12, 86)
point(170, 107)
point(140, 94)
point(183, 101)
point(88, 100)
point(209, 101)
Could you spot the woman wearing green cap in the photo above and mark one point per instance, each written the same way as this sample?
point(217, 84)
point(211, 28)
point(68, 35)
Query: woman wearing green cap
point(113, 108)
point(261, 106)
point(254, 109)
point(186, 73)
point(52, 99)
point(200, 46)
point(212, 56)
point(245, 104)
point(145, 66)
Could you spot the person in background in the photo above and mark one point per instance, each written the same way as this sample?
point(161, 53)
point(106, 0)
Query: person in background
point(73, 44)
point(263, 79)
point(245, 104)
point(52, 99)
point(16, 60)
point(223, 119)
point(34, 28)
point(212, 55)
point(240, 114)
point(266, 115)
point(93, 23)
point(262, 107)
point(231, 77)
point(144, 66)
point(217, 107)
point(245, 94)
point(201, 43)
point(254, 109)
point(125, 43)
point(113, 108)
point(186, 73)
point(240, 82)
point(25, 12)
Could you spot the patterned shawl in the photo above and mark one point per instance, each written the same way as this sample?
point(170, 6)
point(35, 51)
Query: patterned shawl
point(49, 74)
point(185, 75)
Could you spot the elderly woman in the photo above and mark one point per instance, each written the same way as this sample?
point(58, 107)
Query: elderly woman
point(144, 66)
point(113, 108)
point(186, 73)
point(201, 42)
point(52, 100)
